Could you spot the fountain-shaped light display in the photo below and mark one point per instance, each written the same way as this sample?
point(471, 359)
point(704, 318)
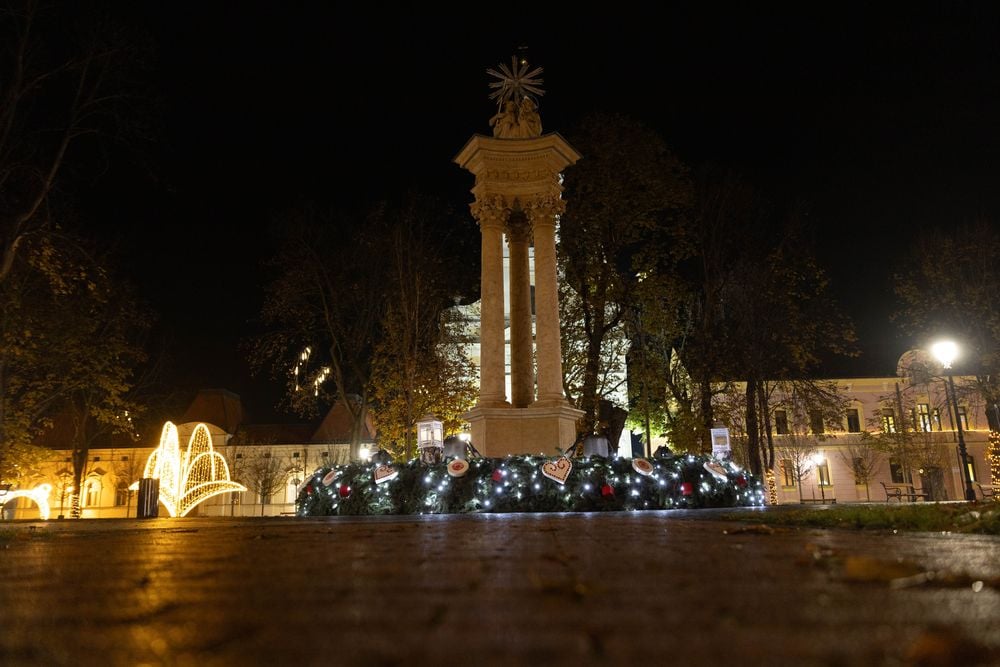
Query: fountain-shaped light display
point(40, 494)
point(186, 481)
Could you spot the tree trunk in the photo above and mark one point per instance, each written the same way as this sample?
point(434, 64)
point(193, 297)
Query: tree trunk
point(753, 430)
point(707, 414)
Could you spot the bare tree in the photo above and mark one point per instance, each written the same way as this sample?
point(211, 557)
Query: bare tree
point(127, 467)
point(863, 458)
point(265, 472)
point(797, 451)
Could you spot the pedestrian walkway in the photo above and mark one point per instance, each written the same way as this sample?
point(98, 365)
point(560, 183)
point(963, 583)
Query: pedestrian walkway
point(532, 589)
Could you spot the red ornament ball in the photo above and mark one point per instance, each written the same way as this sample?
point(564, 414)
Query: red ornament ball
point(687, 488)
point(345, 491)
point(497, 475)
point(741, 481)
point(608, 491)
point(309, 489)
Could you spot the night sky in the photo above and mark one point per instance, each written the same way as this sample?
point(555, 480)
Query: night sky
point(884, 121)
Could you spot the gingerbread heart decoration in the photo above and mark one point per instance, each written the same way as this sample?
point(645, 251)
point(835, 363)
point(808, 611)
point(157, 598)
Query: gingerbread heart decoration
point(642, 466)
point(385, 473)
point(329, 477)
point(558, 470)
point(716, 469)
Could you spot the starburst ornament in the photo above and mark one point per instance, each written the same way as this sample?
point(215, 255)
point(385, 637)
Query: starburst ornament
point(516, 82)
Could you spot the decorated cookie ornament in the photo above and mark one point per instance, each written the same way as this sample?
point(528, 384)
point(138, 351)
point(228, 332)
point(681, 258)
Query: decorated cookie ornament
point(458, 468)
point(716, 469)
point(642, 466)
point(558, 470)
point(385, 473)
point(329, 477)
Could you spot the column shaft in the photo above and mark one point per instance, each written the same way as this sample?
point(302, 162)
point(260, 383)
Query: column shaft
point(549, 354)
point(492, 392)
point(522, 376)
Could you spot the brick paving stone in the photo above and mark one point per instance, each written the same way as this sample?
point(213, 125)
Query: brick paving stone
point(606, 588)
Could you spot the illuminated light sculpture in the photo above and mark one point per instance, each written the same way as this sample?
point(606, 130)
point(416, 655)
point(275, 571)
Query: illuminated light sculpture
point(40, 494)
point(186, 481)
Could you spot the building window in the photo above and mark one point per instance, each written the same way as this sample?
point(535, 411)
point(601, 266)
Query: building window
point(896, 472)
point(787, 472)
point(124, 458)
point(888, 421)
point(937, 419)
point(858, 468)
point(853, 421)
point(963, 418)
point(781, 422)
point(816, 422)
point(91, 493)
point(295, 455)
point(121, 494)
point(97, 459)
point(923, 421)
point(823, 472)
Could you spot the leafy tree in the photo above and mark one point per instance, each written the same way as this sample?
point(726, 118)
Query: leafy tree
point(65, 73)
point(419, 364)
point(353, 308)
point(758, 308)
point(950, 284)
point(324, 311)
point(67, 349)
point(629, 188)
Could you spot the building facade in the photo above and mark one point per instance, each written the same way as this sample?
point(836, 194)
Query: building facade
point(271, 460)
point(896, 432)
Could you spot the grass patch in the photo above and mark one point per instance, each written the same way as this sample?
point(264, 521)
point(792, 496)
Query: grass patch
point(982, 519)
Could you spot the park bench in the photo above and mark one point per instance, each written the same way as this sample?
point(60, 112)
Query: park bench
point(988, 490)
point(900, 491)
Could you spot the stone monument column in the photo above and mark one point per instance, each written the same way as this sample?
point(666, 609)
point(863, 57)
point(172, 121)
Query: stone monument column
point(491, 214)
point(542, 213)
point(522, 376)
point(518, 187)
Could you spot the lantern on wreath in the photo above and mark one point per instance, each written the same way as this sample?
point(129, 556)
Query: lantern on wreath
point(430, 439)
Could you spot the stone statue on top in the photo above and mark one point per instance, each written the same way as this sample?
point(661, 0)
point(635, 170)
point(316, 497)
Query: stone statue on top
point(515, 91)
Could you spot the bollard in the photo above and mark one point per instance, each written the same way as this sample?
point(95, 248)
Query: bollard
point(148, 506)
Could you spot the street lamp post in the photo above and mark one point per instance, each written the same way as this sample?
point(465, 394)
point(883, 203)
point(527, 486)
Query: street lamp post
point(945, 352)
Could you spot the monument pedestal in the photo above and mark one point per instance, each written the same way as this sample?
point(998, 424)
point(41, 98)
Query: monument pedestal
point(497, 432)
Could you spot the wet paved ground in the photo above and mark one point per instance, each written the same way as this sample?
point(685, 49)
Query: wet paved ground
point(607, 589)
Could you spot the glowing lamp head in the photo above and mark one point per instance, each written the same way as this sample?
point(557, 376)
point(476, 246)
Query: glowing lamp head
point(365, 453)
point(817, 459)
point(945, 351)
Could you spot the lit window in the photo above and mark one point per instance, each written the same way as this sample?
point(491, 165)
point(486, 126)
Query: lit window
point(972, 468)
point(787, 472)
point(888, 420)
point(91, 493)
point(963, 418)
point(823, 473)
point(923, 417)
point(121, 494)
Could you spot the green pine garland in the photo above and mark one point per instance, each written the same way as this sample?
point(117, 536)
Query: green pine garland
point(516, 484)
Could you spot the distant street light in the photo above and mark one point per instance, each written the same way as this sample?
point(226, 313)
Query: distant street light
point(818, 460)
point(946, 351)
